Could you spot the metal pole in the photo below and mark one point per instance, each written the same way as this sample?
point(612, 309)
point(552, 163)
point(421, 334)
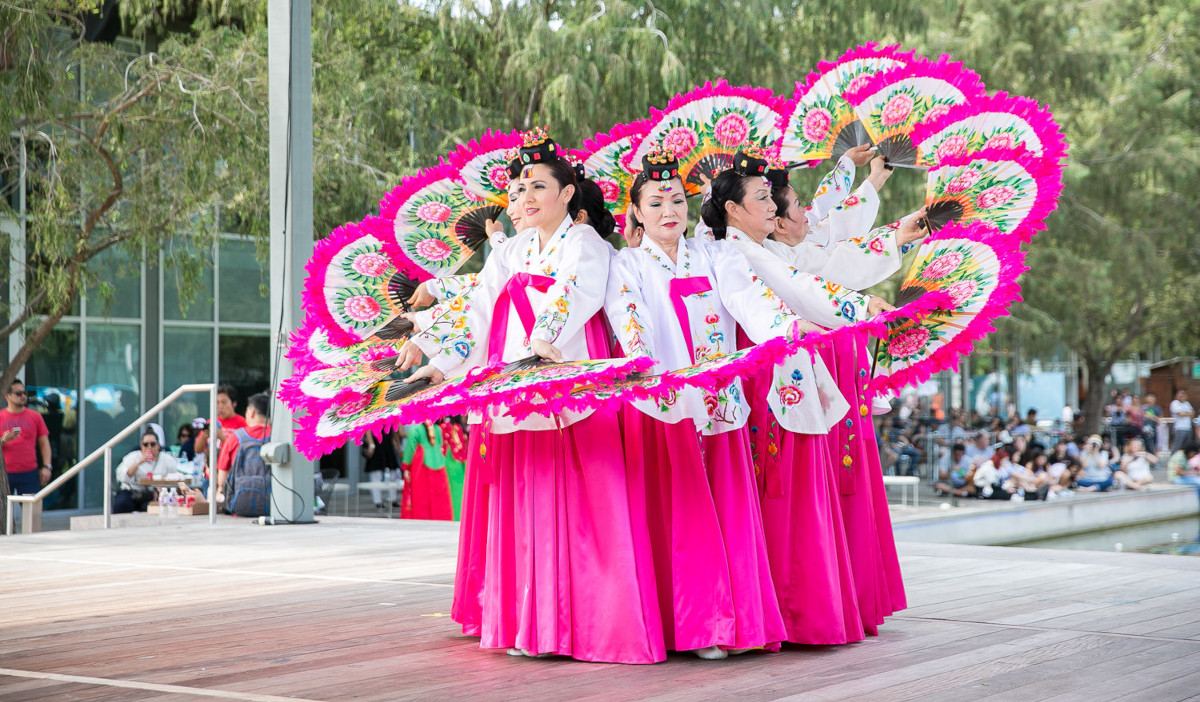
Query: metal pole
point(108, 477)
point(289, 25)
point(212, 454)
point(9, 522)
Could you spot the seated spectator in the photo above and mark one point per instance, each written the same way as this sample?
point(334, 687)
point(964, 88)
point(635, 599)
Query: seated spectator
point(1031, 478)
point(1062, 475)
point(980, 449)
point(1097, 473)
point(989, 484)
point(182, 438)
point(1184, 465)
point(957, 478)
point(258, 409)
point(1135, 466)
point(150, 460)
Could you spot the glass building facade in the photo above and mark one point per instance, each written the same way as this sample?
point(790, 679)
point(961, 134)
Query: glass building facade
point(117, 354)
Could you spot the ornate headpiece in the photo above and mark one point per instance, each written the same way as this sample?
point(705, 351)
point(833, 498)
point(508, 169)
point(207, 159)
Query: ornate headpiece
point(577, 165)
point(750, 161)
point(537, 147)
point(660, 163)
point(777, 173)
point(512, 158)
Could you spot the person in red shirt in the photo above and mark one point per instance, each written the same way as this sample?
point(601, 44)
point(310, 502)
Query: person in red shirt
point(228, 420)
point(257, 425)
point(23, 435)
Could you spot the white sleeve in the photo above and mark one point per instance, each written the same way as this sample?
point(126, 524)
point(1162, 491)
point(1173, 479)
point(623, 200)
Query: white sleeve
point(858, 263)
point(852, 217)
point(832, 189)
point(456, 337)
point(815, 299)
point(626, 308)
point(575, 298)
point(757, 308)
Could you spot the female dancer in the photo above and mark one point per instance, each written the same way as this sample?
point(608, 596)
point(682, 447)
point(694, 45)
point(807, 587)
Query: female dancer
point(567, 569)
point(679, 302)
point(858, 259)
point(801, 512)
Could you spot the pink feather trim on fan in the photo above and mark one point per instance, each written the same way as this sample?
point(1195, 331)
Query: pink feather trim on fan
point(1040, 119)
point(490, 141)
point(869, 50)
point(635, 131)
point(952, 72)
point(1011, 260)
point(763, 96)
point(1047, 173)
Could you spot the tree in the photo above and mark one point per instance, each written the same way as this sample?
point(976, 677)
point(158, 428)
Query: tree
point(1118, 270)
point(119, 151)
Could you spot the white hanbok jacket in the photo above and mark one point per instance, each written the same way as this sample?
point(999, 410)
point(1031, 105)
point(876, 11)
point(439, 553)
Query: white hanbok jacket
point(688, 311)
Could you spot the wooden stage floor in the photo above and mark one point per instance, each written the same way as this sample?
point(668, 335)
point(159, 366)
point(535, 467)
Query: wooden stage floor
point(356, 610)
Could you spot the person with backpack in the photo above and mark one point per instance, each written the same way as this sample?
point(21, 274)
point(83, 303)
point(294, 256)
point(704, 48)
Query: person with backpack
point(243, 479)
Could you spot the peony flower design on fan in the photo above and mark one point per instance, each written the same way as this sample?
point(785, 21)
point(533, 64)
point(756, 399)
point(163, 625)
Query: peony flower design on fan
point(998, 121)
point(434, 212)
point(822, 124)
point(359, 308)
point(370, 265)
point(606, 159)
point(976, 266)
point(731, 130)
point(1012, 190)
point(682, 140)
point(816, 124)
point(893, 102)
point(908, 342)
point(942, 266)
point(708, 124)
point(498, 176)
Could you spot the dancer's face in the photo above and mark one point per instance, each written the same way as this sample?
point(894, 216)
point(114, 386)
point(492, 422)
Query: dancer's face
point(542, 201)
point(755, 214)
point(514, 210)
point(662, 210)
point(793, 224)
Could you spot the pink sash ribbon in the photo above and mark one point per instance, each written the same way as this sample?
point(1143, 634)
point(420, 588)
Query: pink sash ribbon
point(681, 288)
point(514, 295)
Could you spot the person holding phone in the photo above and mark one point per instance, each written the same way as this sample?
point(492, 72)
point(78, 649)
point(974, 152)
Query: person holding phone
point(24, 439)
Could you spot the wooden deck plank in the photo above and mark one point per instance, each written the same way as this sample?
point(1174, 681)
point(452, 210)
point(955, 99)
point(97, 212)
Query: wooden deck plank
point(343, 611)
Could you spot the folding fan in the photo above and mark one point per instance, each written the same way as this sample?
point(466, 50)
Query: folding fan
point(892, 102)
point(706, 126)
point(998, 121)
point(358, 284)
point(311, 349)
point(435, 221)
point(608, 161)
point(977, 266)
point(822, 124)
point(1013, 191)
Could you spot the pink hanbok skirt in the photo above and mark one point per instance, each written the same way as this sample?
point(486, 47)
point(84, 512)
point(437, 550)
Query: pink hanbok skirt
point(802, 517)
point(466, 608)
point(568, 568)
point(868, 524)
point(710, 558)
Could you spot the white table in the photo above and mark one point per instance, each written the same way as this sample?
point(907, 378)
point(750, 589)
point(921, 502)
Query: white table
point(905, 482)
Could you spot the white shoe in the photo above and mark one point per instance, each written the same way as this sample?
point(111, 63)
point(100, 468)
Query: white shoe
point(711, 653)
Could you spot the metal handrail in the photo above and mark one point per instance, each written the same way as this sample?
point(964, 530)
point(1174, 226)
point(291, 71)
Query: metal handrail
point(106, 451)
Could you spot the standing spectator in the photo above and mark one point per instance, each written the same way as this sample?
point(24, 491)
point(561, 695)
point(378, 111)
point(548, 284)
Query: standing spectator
point(1067, 418)
point(1097, 475)
point(1152, 414)
point(150, 460)
point(1182, 413)
point(256, 424)
point(24, 436)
